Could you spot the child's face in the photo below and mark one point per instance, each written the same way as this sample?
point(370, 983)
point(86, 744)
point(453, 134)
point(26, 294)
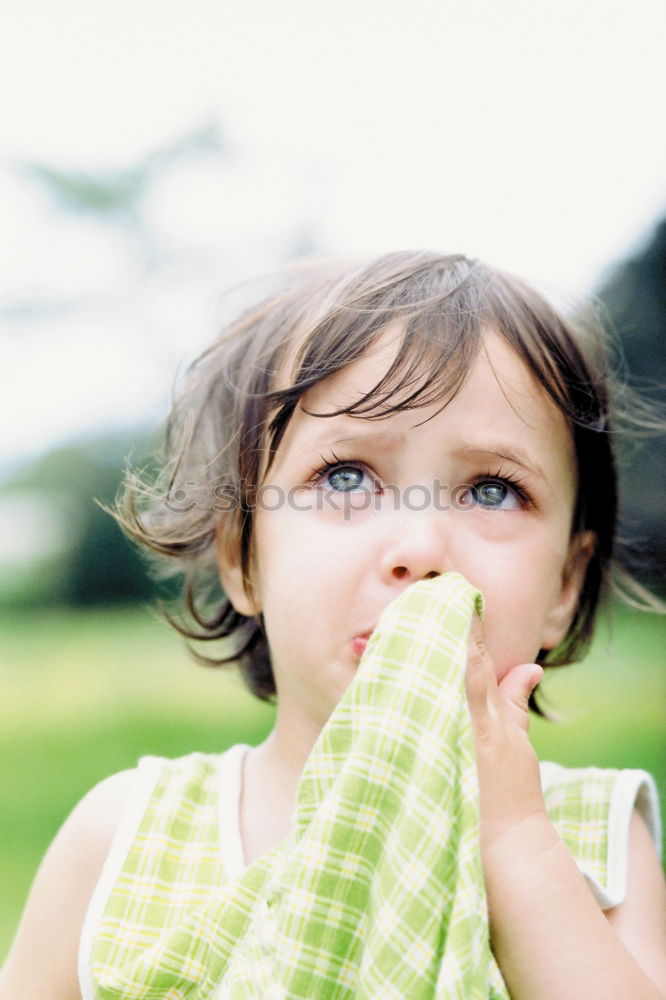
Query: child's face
point(339, 545)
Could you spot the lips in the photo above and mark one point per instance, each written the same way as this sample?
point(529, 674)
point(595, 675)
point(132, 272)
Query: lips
point(360, 642)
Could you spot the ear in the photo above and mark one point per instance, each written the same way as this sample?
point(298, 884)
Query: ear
point(561, 614)
point(231, 573)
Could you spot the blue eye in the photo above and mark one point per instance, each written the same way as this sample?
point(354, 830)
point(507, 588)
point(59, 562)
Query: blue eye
point(493, 494)
point(345, 478)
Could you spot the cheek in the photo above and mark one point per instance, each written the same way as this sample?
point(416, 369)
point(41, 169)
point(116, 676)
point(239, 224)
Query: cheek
point(490, 567)
point(520, 581)
point(295, 565)
point(512, 634)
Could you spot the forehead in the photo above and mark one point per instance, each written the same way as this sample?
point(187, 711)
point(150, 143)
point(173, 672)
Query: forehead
point(496, 370)
point(500, 405)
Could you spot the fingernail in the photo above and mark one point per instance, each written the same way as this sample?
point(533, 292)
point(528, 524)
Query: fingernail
point(538, 675)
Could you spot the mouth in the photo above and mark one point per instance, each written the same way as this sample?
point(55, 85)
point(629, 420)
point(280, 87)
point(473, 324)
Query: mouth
point(360, 642)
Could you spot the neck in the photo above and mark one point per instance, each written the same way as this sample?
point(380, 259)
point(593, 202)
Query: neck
point(270, 780)
point(282, 755)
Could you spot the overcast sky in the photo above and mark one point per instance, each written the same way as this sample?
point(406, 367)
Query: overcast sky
point(529, 133)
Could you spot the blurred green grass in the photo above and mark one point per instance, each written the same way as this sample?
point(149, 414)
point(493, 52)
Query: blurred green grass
point(84, 694)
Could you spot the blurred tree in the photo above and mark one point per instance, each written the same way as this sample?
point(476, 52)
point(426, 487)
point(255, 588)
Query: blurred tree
point(118, 192)
point(115, 197)
point(99, 564)
point(103, 566)
point(634, 295)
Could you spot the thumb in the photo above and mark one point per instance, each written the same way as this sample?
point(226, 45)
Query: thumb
point(515, 689)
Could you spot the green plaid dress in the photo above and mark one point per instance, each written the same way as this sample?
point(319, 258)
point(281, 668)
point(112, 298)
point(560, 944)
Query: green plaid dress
point(378, 891)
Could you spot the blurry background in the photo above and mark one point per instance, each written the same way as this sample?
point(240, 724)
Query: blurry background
point(155, 153)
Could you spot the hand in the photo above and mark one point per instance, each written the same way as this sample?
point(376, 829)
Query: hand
point(547, 932)
point(512, 809)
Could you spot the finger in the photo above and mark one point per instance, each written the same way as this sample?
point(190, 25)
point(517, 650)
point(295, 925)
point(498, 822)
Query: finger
point(515, 689)
point(481, 683)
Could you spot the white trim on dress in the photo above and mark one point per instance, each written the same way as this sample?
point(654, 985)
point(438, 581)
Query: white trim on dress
point(147, 772)
point(632, 789)
point(230, 787)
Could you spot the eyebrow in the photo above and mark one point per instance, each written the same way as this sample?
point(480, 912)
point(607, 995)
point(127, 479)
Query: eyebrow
point(488, 451)
point(378, 437)
point(508, 453)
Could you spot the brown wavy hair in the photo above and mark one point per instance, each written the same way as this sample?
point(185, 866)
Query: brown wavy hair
point(238, 397)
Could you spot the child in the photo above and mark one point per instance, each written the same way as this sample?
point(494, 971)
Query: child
point(377, 461)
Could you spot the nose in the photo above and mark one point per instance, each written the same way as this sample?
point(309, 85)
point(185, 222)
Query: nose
point(417, 549)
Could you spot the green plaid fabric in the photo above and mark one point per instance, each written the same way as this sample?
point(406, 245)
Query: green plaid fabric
point(378, 892)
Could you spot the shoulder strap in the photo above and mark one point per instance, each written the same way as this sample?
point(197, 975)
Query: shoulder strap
point(591, 809)
point(145, 778)
point(164, 860)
